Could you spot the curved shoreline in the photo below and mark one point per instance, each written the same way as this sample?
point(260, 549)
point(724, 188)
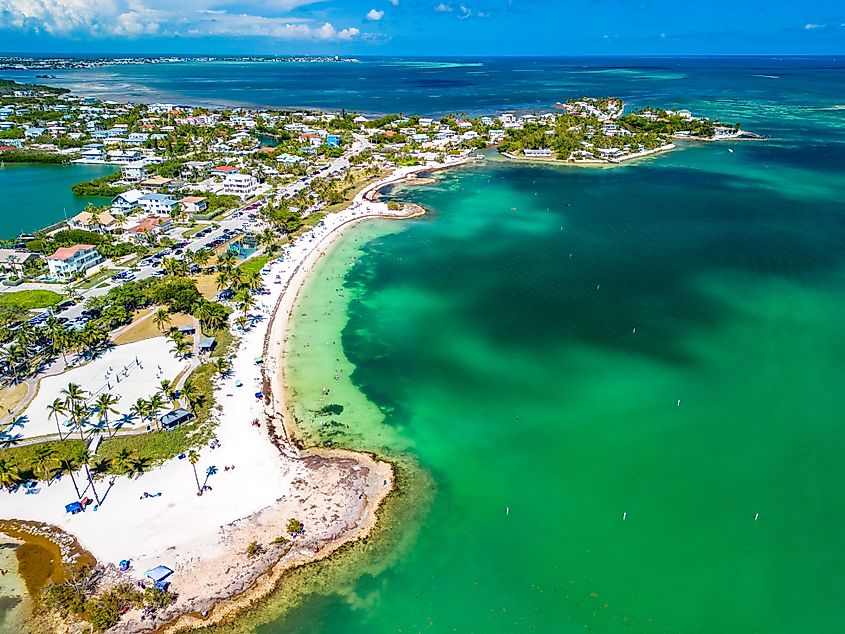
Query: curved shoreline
point(351, 486)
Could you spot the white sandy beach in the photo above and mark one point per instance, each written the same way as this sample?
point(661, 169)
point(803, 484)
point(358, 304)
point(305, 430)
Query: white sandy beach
point(117, 371)
point(203, 538)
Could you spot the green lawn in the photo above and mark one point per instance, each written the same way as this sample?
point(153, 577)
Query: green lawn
point(28, 300)
point(96, 279)
point(255, 264)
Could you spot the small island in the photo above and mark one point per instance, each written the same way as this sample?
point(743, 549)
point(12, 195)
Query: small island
point(597, 130)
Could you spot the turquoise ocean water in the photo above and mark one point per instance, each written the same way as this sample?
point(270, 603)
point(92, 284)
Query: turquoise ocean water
point(616, 392)
point(624, 384)
point(35, 196)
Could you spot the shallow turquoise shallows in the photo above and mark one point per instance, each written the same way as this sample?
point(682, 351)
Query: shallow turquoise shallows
point(35, 196)
point(626, 385)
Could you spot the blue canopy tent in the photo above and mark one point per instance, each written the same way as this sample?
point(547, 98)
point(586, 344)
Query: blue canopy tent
point(159, 573)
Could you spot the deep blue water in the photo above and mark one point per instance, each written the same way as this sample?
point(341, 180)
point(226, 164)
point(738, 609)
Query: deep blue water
point(472, 85)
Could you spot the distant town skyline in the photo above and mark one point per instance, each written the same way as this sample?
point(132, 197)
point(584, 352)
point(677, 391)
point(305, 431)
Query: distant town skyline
point(422, 27)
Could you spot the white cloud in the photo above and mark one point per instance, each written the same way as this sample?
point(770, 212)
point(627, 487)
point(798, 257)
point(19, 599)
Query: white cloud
point(395, 3)
point(443, 8)
point(374, 15)
point(189, 18)
point(466, 12)
point(812, 27)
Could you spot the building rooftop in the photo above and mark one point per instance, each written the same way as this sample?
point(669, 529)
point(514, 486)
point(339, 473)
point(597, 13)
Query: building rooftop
point(65, 253)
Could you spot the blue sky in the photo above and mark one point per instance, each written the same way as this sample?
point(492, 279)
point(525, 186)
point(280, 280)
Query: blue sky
point(424, 27)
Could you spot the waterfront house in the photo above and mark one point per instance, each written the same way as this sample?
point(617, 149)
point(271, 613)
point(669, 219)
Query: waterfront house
point(127, 201)
point(240, 184)
point(120, 156)
point(333, 140)
point(13, 260)
point(194, 205)
point(135, 171)
point(67, 262)
point(158, 204)
point(541, 153)
point(100, 222)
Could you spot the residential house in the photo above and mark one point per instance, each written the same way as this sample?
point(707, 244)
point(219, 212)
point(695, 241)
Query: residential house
point(127, 201)
point(100, 222)
point(67, 262)
point(240, 184)
point(156, 183)
point(150, 225)
point(194, 205)
point(543, 153)
point(224, 170)
point(163, 204)
point(13, 260)
point(135, 171)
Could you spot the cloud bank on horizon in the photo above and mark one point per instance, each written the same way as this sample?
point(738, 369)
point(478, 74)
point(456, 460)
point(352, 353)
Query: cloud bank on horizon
point(423, 27)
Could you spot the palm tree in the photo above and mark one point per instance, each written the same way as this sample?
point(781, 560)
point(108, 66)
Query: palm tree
point(266, 237)
point(123, 458)
point(242, 322)
point(251, 281)
point(193, 458)
point(166, 390)
point(79, 415)
point(247, 303)
point(156, 403)
point(201, 257)
point(222, 280)
point(84, 457)
point(141, 409)
point(161, 318)
point(57, 408)
point(104, 405)
point(45, 461)
point(214, 317)
point(191, 395)
point(226, 260)
point(137, 466)
point(182, 349)
point(222, 366)
point(68, 465)
point(73, 394)
point(12, 358)
point(9, 474)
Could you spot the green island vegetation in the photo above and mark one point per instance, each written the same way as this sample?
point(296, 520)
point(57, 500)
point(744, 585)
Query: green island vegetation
point(102, 186)
point(596, 129)
point(77, 597)
point(9, 86)
point(33, 156)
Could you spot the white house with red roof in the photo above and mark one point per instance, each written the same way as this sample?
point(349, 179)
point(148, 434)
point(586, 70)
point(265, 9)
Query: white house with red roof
point(69, 261)
point(224, 170)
